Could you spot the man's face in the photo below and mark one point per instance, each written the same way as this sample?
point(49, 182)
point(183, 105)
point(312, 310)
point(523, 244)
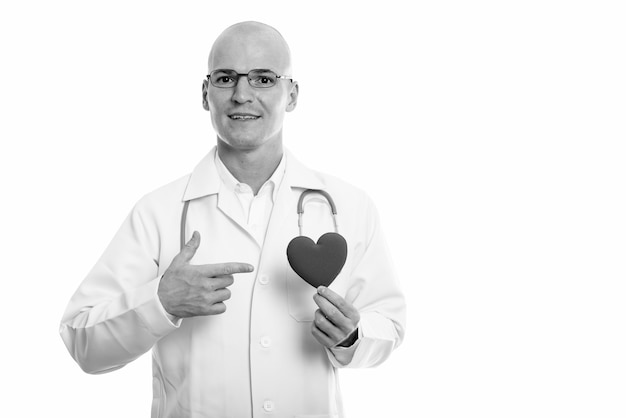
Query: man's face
point(245, 117)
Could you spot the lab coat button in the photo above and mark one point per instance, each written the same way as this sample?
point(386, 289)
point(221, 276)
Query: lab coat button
point(266, 342)
point(264, 279)
point(268, 406)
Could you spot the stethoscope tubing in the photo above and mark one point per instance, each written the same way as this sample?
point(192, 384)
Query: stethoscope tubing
point(330, 200)
point(183, 222)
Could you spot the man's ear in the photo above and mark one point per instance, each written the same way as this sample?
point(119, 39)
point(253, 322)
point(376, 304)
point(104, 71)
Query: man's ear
point(205, 91)
point(293, 96)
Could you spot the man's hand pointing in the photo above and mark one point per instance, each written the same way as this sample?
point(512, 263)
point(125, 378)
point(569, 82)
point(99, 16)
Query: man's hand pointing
point(188, 290)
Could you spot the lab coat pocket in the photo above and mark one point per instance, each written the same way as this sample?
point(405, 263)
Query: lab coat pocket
point(301, 305)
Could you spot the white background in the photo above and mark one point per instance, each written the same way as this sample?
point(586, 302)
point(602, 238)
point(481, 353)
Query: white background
point(490, 134)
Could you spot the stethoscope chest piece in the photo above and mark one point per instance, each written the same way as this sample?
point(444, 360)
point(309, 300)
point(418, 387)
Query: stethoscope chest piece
point(317, 263)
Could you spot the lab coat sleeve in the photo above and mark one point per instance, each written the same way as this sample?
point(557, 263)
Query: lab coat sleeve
point(115, 315)
point(375, 292)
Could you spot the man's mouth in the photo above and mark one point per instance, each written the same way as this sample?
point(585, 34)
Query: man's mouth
point(243, 116)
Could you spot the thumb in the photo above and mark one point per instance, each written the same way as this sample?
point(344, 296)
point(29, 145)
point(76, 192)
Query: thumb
point(189, 250)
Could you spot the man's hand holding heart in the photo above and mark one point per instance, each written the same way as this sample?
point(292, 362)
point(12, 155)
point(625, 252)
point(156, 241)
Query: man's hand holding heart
point(336, 321)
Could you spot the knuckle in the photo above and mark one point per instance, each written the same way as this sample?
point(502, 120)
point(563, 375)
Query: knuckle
point(208, 285)
point(209, 298)
point(332, 312)
point(216, 285)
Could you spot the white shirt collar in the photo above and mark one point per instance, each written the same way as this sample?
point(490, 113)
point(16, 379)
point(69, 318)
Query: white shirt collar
point(235, 185)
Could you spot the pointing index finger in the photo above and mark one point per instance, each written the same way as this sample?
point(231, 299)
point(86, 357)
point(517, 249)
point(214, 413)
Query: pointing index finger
point(225, 269)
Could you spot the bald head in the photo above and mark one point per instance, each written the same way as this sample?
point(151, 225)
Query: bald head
point(248, 45)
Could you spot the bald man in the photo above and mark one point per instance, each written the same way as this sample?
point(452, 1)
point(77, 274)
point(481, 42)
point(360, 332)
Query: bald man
point(198, 272)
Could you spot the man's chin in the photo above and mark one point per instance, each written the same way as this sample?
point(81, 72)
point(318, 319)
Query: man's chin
point(242, 143)
point(250, 140)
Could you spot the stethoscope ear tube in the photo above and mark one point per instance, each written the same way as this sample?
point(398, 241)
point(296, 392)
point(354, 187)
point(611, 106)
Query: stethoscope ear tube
point(333, 208)
point(330, 200)
point(183, 222)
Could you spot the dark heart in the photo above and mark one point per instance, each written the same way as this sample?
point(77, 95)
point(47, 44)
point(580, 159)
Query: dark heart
point(318, 264)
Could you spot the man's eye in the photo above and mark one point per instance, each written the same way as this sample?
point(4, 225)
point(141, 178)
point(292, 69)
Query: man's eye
point(225, 79)
point(263, 80)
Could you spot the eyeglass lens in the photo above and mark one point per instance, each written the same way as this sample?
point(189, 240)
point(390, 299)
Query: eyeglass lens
point(256, 78)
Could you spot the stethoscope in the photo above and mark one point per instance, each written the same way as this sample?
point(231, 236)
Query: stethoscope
point(317, 263)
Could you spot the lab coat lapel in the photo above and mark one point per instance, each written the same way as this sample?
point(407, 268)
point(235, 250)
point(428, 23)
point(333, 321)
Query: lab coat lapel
point(230, 206)
point(205, 180)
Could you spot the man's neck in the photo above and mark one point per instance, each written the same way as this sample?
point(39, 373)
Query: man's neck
point(254, 166)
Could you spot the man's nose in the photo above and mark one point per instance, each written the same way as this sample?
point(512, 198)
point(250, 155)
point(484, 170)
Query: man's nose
point(243, 91)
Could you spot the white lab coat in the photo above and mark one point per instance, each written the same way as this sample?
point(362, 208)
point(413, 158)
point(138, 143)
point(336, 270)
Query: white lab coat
point(259, 358)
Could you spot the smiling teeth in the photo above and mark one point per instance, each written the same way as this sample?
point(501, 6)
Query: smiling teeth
point(243, 117)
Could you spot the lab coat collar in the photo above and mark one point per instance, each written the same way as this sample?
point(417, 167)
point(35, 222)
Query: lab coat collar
point(298, 175)
point(205, 181)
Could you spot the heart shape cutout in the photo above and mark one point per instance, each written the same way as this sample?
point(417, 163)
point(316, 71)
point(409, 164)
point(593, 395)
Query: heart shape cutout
point(318, 264)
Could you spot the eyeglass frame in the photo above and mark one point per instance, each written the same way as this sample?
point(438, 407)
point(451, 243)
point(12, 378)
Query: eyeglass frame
point(239, 75)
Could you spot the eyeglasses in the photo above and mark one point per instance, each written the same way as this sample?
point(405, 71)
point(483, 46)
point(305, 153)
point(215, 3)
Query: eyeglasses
point(258, 78)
